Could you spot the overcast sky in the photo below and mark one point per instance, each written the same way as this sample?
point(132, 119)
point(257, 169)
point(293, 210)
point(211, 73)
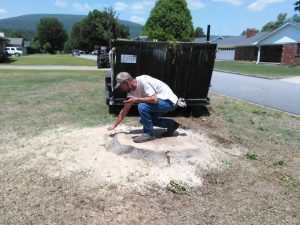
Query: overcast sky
point(226, 17)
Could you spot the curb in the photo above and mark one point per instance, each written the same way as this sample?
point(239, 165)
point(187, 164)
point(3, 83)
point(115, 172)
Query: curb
point(251, 75)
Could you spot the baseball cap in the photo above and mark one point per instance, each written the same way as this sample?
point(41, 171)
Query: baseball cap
point(122, 76)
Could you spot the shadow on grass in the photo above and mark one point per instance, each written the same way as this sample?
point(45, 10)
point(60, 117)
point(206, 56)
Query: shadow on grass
point(7, 60)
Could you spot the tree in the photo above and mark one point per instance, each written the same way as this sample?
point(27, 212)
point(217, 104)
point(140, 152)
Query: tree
point(295, 18)
point(51, 35)
point(170, 20)
point(297, 5)
point(199, 32)
point(281, 19)
point(254, 30)
point(17, 34)
point(98, 28)
point(270, 26)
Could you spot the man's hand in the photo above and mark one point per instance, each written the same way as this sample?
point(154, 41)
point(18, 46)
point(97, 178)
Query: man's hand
point(111, 127)
point(131, 100)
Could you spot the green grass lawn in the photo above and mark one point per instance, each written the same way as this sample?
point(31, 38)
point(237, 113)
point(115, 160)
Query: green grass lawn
point(264, 70)
point(33, 101)
point(46, 59)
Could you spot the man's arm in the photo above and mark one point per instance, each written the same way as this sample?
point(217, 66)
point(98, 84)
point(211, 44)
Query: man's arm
point(121, 116)
point(151, 100)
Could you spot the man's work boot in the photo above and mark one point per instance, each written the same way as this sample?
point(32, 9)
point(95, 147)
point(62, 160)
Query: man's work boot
point(171, 130)
point(143, 138)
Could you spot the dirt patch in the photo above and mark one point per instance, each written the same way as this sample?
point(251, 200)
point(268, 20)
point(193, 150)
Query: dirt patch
point(114, 159)
point(91, 176)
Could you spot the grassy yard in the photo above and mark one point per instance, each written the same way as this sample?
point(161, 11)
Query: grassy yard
point(46, 59)
point(261, 186)
point(263, 70)
point(32, 101)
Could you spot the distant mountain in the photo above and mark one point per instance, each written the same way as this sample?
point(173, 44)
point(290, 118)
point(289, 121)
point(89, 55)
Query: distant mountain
point(28, 23)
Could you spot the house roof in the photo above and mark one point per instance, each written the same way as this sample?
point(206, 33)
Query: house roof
point(16, 41)
point(295, 24)
point(213, 39)
point(241, 40)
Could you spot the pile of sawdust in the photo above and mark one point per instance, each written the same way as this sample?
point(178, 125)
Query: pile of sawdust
point(112, 158)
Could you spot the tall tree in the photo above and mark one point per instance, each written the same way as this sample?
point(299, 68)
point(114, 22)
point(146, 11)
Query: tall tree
point(295, 18)
point(170, 20)
point(97, 29)
point(51, 35)
point(281, 19)
point(297, 5)
point(199, 32)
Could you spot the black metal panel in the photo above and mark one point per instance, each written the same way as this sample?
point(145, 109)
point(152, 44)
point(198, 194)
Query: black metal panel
point(185, 67)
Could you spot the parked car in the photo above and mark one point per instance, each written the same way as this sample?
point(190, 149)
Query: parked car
point(95, 52)
point(17, 51)
point(81, 52)
point(75, 52)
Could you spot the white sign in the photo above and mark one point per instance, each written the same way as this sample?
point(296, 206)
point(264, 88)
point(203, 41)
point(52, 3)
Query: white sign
point(128, 58)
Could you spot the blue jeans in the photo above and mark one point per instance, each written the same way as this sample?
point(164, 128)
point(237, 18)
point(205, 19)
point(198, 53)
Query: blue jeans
point(150, 115)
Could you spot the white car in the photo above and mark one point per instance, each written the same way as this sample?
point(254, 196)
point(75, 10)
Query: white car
point(17, 51)
point(95, 52)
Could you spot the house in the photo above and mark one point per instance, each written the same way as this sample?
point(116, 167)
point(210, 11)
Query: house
point(225, 45)
point(18, 42)
point(280, 46)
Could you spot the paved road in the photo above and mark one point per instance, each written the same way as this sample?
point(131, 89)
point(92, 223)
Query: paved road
point(279, 94)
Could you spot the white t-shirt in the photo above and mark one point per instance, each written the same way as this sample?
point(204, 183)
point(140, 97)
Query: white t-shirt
point(148, 86)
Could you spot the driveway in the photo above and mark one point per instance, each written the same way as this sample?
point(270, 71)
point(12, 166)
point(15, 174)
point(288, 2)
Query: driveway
point(281, 94)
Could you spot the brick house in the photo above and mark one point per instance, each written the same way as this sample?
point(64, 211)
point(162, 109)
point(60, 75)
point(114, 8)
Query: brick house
point(280, 46)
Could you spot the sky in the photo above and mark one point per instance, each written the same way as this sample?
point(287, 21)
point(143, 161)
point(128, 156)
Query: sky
point(226, 17)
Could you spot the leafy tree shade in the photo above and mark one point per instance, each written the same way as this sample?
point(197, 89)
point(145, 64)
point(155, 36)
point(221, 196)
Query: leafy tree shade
point(98, 28)
point(297, 5)
point(51, 35)
point(199, 32)
point(170, 20)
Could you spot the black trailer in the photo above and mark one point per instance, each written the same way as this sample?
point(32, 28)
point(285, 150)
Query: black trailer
point(185, 67)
